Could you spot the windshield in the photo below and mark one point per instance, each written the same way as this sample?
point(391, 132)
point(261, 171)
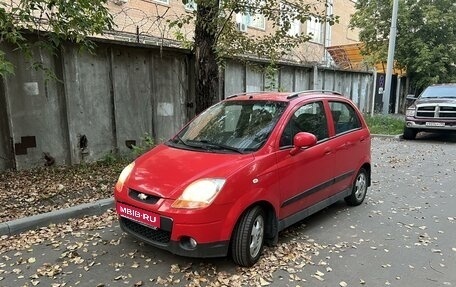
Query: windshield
point(232, 126)
point(439, 92)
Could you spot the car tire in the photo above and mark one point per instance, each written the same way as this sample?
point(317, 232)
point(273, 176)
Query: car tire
point(359, 188)
point(248, 237)
point(409, 134)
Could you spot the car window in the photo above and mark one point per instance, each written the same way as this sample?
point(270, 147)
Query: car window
point(233, 125)
point(344, 117)
point(309, 118)
point(448, 91)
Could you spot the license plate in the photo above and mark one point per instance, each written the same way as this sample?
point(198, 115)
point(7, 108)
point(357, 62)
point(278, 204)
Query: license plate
point(435, 124)
point(138, 215)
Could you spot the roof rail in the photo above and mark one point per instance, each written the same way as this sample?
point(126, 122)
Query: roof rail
point(246, 93)
point(297, 94)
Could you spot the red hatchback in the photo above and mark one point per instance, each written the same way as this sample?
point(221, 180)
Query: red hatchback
point(245, 169)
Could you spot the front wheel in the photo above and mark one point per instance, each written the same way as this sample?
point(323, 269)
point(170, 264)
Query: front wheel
point(248, 237)
point(359, 189)
point(409, 134)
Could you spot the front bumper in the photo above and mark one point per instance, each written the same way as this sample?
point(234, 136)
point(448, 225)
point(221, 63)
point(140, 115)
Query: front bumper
point(161, 238)
point(430, 124)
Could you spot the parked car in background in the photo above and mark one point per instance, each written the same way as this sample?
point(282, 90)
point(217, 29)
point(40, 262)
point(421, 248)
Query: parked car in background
point(434, 110)
point(245, 169)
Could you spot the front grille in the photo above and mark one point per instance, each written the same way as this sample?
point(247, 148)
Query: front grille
point(436, 112)
point(154, 235)
point(151, 199)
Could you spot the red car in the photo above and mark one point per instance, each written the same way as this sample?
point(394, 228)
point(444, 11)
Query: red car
point(245, 169)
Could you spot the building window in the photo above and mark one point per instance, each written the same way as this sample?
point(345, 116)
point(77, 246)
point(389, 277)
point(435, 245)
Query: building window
point(166, 2)
point(252, 20)
point(190, 5)
point(257, 21)
point(289, 12)
point(315, 30)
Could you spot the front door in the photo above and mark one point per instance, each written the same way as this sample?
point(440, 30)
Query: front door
point(305, 178)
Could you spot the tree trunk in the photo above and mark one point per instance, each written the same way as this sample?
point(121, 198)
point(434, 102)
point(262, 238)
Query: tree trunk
point(206, 67)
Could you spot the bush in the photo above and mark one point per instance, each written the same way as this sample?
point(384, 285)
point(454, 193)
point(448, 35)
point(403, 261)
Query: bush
point(385, 124)
point(147, 143)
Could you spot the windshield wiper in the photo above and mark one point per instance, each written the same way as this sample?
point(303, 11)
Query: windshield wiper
point(185, 143)
point(221, 146)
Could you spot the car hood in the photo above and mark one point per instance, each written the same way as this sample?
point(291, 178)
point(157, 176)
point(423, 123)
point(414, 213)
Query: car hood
point(165, 171)
point(435, 101)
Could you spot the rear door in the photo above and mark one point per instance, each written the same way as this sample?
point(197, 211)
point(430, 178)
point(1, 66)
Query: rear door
point(351, 143)
point(305, 178)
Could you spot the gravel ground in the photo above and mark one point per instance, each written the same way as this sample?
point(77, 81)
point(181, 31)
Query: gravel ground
point(30, 192)
point(403, 235)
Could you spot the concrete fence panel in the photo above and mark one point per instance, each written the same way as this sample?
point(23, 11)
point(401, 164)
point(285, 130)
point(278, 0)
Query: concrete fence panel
point(89, 100)
point(234, 80)
point(132, 86)
point(303, 79)
point(35, 106)
point(287, 79)
point(254, 80)
point(169, 94)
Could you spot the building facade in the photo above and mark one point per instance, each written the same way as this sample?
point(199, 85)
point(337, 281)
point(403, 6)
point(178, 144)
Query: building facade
point(148, 22)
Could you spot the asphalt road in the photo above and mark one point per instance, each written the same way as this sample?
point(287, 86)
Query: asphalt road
point(403, 235)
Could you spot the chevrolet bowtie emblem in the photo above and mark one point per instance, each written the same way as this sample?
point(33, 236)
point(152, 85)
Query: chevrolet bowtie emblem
point(142, 196)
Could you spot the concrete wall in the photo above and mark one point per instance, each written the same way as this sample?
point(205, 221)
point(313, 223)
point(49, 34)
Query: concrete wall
point(354, 85)
point(102, 104)
point(132, 86)
point(170, 87)
point(89, 106)
point(35, 109)
point(108, 101)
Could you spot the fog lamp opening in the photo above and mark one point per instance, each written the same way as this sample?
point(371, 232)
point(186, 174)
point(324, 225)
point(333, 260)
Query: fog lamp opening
point(188, 242)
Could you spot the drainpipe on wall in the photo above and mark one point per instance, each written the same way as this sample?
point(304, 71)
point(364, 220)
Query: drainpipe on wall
point(315, 78)
point(398, 93)
point(374, 92)
point(327, 32)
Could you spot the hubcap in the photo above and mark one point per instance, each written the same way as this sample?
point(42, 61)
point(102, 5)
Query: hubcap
point(360, 186)
point(256, 236)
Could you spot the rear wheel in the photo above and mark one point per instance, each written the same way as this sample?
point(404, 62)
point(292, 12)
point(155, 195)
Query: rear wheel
point(359, 189)
point(248, 237)
point(409, 134)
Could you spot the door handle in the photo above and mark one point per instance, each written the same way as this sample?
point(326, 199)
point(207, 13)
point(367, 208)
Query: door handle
point(341, 147)
point(328, 151)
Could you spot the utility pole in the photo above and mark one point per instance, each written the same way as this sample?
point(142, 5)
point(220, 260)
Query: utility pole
point(390, 63)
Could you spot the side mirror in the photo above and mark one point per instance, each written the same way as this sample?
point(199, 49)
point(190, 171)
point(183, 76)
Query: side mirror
point(303, 140)
point(411, 97)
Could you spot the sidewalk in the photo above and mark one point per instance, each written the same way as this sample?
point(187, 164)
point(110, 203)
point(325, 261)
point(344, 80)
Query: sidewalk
point(23, 224)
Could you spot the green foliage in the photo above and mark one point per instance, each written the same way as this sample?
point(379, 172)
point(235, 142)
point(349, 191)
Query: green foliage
point(229, 42)
point(426, 37)
point(385, 124)
point(111, 158)
point(53, 22)
point(147, 143)
point(6, 67)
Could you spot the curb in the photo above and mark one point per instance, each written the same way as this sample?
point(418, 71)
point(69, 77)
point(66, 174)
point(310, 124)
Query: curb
point(396, 137)
point(23, 224)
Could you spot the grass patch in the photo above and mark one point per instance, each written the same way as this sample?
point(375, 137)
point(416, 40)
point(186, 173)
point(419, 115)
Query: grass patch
point(385, 124)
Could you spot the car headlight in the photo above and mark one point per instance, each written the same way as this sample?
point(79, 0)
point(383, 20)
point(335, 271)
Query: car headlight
point(123, 176)
point(410, 112)
point(199, 194)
